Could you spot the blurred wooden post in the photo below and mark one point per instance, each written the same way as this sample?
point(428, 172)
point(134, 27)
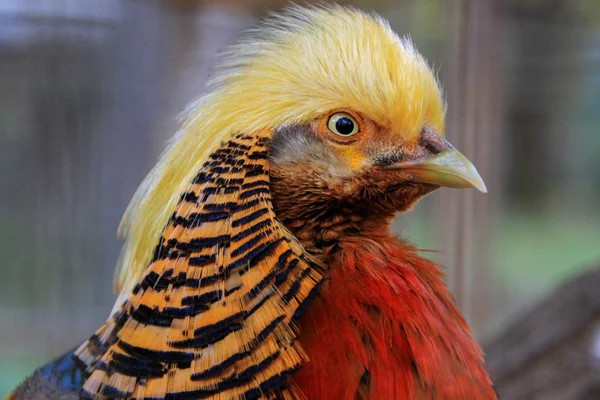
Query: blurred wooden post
point(552, 352)
point(472, 80)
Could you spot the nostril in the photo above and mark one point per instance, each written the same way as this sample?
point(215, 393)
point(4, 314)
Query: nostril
point(432, 142)
point(434, 147)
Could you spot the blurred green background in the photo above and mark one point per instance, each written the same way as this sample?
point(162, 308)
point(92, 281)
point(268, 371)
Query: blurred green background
point(90, 91)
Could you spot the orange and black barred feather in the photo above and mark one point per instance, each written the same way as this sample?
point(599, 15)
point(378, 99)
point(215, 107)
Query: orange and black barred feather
point(213, 316)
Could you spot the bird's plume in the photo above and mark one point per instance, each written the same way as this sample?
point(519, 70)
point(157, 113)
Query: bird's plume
point(291, 68)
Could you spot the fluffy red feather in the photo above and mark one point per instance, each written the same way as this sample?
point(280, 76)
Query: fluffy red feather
point(385, 327)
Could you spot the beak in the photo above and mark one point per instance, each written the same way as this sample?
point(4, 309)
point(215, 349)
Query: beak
point(449, 168)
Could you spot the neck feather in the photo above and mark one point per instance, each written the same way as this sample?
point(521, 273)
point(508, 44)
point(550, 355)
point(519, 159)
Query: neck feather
point(385, 326)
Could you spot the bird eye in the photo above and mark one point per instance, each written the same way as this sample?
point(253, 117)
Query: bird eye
point(343, 124)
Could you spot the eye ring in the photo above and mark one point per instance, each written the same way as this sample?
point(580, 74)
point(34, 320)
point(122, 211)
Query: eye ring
point(343, 124)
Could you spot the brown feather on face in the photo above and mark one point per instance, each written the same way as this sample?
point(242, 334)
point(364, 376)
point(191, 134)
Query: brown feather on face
point(323, 190)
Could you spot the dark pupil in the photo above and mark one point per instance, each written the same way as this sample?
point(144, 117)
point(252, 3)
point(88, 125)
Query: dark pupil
point(344, 126)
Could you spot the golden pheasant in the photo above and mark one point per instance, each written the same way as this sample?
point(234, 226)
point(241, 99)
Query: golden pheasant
point(258, 261)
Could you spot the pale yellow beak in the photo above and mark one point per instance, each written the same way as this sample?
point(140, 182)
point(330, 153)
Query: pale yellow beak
point(449, 169)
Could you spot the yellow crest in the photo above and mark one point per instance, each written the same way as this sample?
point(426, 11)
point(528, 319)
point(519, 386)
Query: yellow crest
point(290, 69)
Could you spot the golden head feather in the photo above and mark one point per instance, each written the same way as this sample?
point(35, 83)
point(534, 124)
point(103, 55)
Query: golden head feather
point(292, 68)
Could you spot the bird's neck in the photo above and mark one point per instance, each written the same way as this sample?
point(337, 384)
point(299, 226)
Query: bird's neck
point(384, 326)
point(321, 229)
